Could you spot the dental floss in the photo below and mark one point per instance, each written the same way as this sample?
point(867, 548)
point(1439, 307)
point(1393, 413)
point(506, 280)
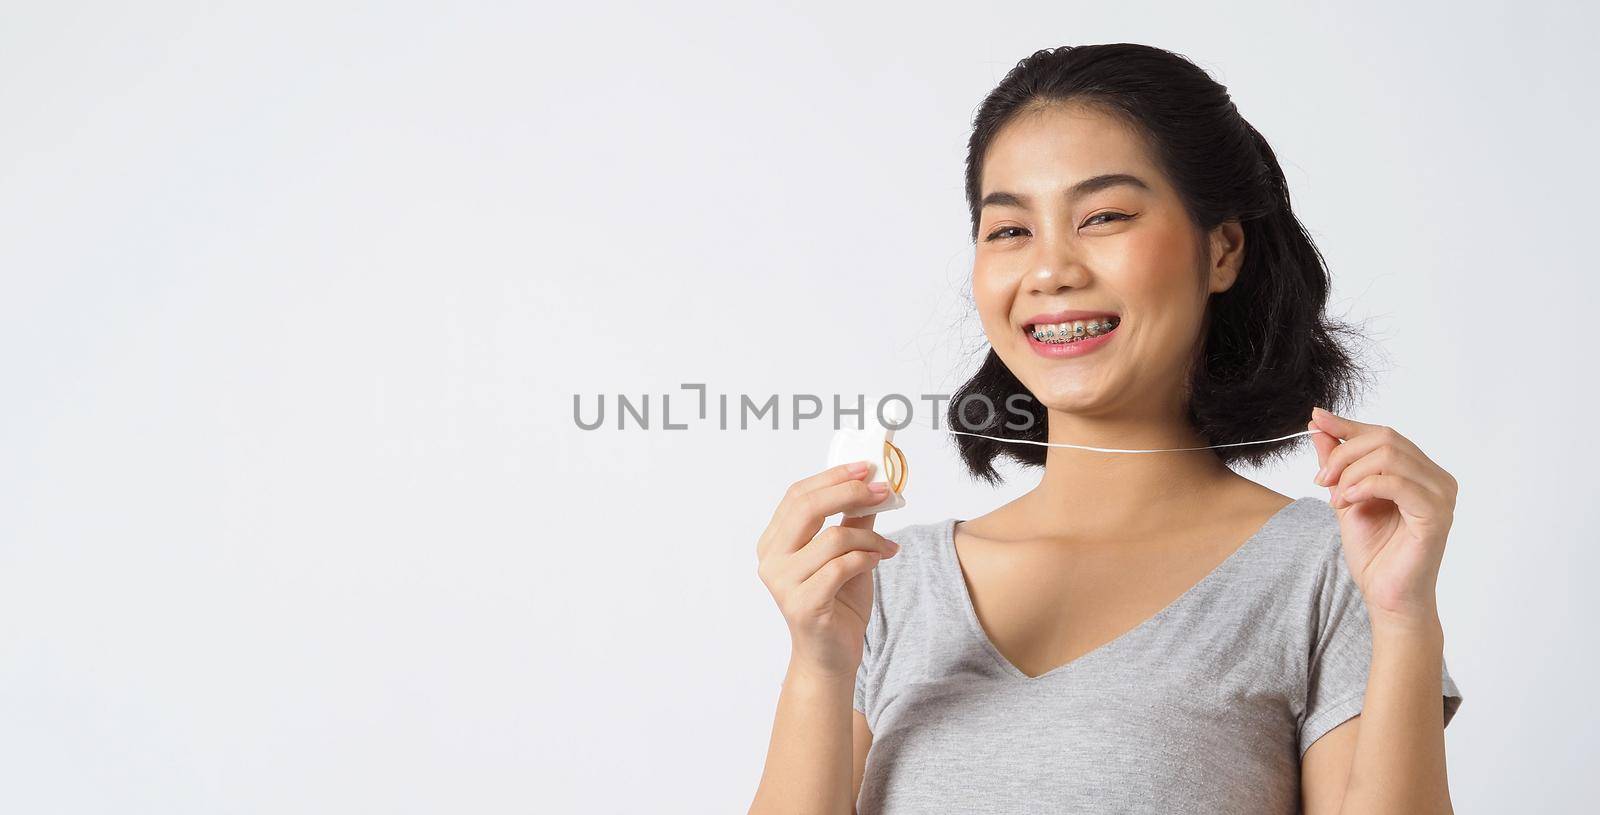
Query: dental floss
point(874, 445)
point(1115, 450)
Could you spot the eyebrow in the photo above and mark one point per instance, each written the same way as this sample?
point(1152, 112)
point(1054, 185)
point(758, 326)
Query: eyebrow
point(1000, 198)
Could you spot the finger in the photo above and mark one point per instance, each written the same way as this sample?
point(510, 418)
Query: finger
point(1338, 426)
point(1414, 501)
point(827, 478)
point(1341, 455)
point(1370, 438)
point(829, 544)
point(1385, 459)
point(1323, 443)
point(819, 589)
point(802, 516)
point(1348, 429)
point(1350, 440)
point(833, 475)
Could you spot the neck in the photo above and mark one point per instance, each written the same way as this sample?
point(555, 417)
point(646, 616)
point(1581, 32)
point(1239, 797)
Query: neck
point(1123, 493)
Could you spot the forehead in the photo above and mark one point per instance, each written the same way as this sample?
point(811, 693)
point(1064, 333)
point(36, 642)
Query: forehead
point(1051, 147)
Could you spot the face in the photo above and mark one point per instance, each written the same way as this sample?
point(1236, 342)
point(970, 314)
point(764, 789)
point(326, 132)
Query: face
point(1121, 250)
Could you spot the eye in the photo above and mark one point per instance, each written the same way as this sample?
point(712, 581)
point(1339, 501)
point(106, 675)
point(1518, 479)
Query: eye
point(995, 235)
point(1118, 215)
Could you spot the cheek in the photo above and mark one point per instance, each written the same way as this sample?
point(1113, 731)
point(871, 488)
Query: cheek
point(1156, 271)
point(992, 295)
point(1146, 260)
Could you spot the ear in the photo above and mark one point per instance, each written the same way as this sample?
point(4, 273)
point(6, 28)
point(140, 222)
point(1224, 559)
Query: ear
point(1227, 255)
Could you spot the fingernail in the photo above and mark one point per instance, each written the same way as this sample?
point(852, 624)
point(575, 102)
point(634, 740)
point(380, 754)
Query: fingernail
point(893, 547)
point(858, 468)
point(1322, 476)
point(878, 487)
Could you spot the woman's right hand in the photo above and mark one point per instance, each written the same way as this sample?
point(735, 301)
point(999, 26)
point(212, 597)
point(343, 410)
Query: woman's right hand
point(823, 582)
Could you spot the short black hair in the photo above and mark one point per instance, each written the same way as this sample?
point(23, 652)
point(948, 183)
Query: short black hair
point(1269, 352)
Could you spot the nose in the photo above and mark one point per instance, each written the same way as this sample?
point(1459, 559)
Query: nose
point(1056, 270)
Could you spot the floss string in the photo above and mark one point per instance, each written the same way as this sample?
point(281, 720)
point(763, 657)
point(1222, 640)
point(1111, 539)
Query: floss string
point(1115, 450)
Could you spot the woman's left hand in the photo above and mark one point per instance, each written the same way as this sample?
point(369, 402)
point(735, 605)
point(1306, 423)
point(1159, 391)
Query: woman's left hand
point(1395, 507)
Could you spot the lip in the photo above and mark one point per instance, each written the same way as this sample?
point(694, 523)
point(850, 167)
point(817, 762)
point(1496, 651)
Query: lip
point(1065, 317)
point(1069, 349)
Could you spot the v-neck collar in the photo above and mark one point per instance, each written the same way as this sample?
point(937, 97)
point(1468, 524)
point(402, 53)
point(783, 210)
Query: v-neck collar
point(964, 596)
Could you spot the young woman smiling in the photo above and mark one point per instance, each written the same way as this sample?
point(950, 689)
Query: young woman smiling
point(1139, 633)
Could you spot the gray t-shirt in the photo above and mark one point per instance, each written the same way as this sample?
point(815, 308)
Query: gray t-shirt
point(1207, 706)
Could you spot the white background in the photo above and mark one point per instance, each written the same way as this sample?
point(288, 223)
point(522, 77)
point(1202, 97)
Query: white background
point(294, 516)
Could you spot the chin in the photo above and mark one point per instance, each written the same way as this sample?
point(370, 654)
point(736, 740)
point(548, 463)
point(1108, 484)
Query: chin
point(1064, 398)
point(1069, 391)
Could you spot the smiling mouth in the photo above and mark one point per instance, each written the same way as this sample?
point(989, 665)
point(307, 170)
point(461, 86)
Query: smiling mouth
point(1074, 331)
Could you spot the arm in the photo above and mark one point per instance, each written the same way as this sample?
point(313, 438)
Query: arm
point(823, 586)
point(1399, 752)
point(1391, 758)
point(863, 745)
point(1395, 508)
point(809, 758)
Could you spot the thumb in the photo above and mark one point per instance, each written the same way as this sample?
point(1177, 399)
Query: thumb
point(1323, 442)
point(1333, 427)
point(1337, 426)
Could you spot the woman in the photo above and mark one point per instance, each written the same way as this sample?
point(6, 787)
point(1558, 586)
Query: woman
point(1144, 633)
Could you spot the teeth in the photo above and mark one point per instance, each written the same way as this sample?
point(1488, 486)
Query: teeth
point(1075, 330)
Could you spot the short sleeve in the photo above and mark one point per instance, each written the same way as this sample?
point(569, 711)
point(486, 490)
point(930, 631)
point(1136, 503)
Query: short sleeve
point(866, 673)
point(863, 675)
point(1341, 652)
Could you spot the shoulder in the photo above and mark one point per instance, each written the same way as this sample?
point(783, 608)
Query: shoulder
point(929, 533)
point(918, 565)
point(1313, 522)
point(1304, 533)
point(1297, 553)
point(1316, 576)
